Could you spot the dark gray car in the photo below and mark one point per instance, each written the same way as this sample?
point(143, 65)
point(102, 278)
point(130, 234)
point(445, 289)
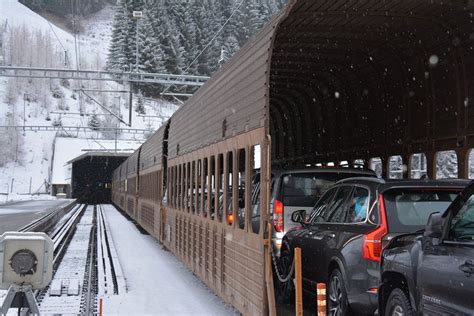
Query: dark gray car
point(432, 272)
point(342, 241)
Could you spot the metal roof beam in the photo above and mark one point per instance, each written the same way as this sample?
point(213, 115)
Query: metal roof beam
point(52, 73)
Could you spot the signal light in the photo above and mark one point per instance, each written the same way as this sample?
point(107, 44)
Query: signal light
point(278, 222)
point(372, 246)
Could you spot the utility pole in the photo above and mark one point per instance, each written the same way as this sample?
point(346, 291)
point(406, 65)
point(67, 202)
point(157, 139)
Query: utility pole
point(24, 112)
point(137, 15)
point(117, 123)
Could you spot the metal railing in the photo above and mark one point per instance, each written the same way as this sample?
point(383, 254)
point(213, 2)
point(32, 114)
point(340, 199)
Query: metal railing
point(54, 73)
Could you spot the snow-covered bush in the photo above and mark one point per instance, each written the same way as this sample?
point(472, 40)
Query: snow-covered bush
point(57, 93)
point(94, 122)
point(140, 108)
point(57, 122)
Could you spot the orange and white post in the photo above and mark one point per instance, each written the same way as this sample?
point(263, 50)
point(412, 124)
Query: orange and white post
point(298, 283)
point(321, 298)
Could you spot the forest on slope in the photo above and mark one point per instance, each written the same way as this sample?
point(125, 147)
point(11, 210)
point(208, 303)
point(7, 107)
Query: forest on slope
point(184, 37)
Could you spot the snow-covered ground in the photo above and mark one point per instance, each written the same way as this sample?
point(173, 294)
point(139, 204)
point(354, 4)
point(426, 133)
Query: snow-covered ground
point(157, 283)
point(16, 14)
point(44, 103)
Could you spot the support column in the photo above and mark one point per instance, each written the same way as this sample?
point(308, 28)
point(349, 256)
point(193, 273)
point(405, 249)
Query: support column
point(385, 167)
point(431, 164)
point(406, 168)
point(409, 164)
point(463, 162)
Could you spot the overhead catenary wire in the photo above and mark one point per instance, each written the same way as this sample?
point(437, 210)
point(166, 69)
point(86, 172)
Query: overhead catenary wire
point(76, 50)
point(66, 61)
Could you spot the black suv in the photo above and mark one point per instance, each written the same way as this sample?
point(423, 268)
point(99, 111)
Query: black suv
point(432, 273)
point(342, 241)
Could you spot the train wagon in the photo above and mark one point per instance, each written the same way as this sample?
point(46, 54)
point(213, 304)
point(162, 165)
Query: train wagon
point(324, 81)
point(122, 185)
point(131, 183)
point(150, 190)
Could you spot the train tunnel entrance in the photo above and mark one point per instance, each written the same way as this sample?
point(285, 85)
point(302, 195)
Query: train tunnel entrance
point(92, 176)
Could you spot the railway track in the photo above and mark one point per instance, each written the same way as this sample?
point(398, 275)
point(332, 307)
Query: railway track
point(78, 280)
point(71, 238)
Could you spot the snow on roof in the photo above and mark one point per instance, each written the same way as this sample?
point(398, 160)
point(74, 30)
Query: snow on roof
point(67, 149)
point(100, 154)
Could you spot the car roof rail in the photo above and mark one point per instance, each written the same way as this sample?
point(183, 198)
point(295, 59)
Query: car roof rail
point(355, 179)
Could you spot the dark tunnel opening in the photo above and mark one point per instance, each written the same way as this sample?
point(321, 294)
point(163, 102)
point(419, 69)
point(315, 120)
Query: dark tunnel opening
point(92, 178)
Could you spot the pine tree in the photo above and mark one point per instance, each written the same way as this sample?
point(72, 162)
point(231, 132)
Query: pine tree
point(151, 55)
point(173, 33)
point(57, 122)
point(94, 122)
point(116, 40)
point(122, 51)
point(187, 34)
point(203, 19)
point(140, 108)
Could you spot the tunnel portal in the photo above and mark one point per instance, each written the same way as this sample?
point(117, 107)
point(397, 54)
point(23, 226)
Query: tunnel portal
point(92, 176)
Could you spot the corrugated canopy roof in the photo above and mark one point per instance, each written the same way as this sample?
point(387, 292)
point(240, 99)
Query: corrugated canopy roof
point(351, 79)
point(338, 80)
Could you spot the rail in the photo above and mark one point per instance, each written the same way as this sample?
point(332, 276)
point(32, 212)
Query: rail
point(46, 222)
point(64, 233)
point(73, 275)
point(110, 275)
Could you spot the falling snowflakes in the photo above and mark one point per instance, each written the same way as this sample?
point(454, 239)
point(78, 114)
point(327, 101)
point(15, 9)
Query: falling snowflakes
point(434, 59)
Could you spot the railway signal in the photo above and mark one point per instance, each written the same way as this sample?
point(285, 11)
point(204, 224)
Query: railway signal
point(26, 265)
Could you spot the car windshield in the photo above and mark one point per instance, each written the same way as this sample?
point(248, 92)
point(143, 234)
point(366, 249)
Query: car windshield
point(304, 189)
point(408, 209)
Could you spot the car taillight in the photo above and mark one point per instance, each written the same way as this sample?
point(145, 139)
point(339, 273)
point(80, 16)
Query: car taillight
point(372, 246)
point(278, 216)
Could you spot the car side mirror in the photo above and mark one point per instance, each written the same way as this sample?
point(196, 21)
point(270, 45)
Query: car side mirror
point(298, 216)
point(434, 227)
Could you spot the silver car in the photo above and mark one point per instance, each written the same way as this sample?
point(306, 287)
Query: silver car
point(300, 190)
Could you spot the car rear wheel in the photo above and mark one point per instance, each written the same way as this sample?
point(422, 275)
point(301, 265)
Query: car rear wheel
point(286, 290)
point(398, 304)
point(337, 303)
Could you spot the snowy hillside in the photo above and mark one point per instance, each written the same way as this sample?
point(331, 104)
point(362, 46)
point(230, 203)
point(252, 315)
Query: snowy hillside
point(30, 40)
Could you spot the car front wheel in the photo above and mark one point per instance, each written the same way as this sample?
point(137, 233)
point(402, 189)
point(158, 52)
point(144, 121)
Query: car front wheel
point(337, 303)
point(285, 290)
point(398, 304)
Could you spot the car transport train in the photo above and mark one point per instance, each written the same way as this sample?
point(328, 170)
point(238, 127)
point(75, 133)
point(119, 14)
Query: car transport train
point(325, 81)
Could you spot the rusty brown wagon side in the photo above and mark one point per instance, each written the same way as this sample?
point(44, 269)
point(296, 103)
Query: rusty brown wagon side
point(131, 183)
point(150, 193)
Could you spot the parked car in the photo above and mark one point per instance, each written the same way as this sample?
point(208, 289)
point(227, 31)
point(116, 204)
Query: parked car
point(432, 272)
point(342, 241)
point(295, 190)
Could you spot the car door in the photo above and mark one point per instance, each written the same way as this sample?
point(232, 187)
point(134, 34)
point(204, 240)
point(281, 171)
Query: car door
point(320, 237)
point(307, 243)
point(452, 262)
